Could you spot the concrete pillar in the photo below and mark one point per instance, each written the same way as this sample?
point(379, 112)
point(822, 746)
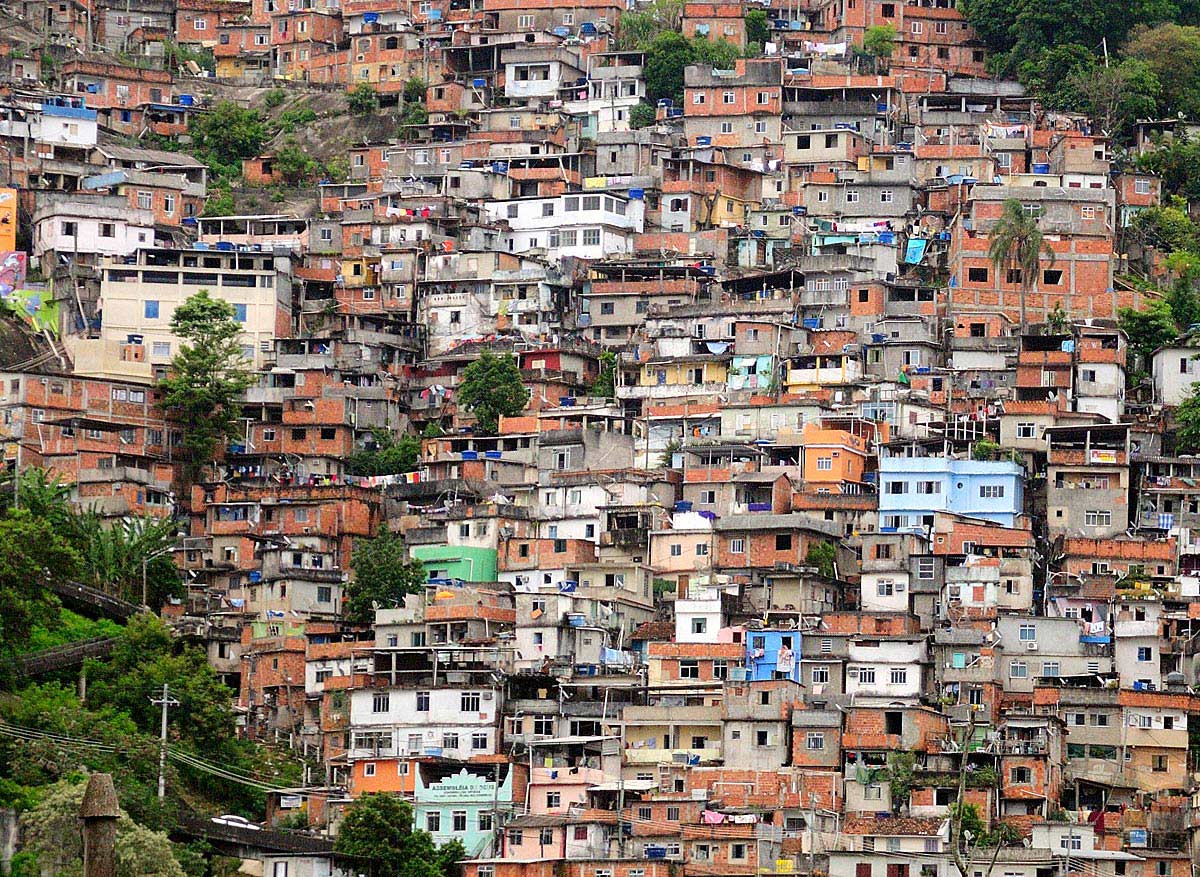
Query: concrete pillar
point(99, 812)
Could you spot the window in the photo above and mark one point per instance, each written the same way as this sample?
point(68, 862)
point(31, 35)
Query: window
point(1026, 430)
point(783, 542)
point(145, 200)
point(852, 196)
point(1018, 670)
point(977, 275)
point(380, 702)
point(1145, 654)
point(702, 549)
point(737, 546)
point(728, 97)
point(469, 701)
point(1050, 669)
point(689, 668)
point(1097, 518)
point(168, 204)
point(422, 701)
point(899, 676)
point(591, 237)
point(1020, 775)
point(150, 310)
point(1141, 187)
point(820, 675)
point(866, 675)
point(458, 820)
point(1028, 633)
point(449, 741)
point(369, 769)
point(991, 491)
point(886, 196)
point(824, 464)
point(433, 821)
point(814, 740)
point(239, 313)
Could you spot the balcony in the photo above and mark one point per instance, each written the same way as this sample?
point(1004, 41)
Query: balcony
point(1024, 747)
point(978, 671)
point(646, 755)
point(118, 473)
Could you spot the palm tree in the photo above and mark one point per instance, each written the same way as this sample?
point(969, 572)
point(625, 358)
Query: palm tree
point(1017, 243)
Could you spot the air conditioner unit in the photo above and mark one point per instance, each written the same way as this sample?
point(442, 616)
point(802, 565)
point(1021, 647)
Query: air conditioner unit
point(1031, 646)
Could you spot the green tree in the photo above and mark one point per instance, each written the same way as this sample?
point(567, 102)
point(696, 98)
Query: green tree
point(491, 388)
point(1171, 53)
point(1147, 331)
point(638, 29)
point(379, 828)
point(757, 29)
point(605, 383)
point(1167, 227)
point(51, 834)
point(1115, 97)
point(129, 754)
point(822, 555)
point(1187, 424)
point(667, 55)
point(1016, 242)
point(294, 163)
point(362, 99)
point(414, 114)
point(383, 575)
point(143, 660)
point(32, 551)
point(113, 554)
point(208, 377)
point(225, 135)
point(642, 116)
point(1181, 298)
point(1049, 71)
point(274, 98)
point(391, 456)
point(220, 202)
point(720, 54)
point(414, 91)
point(879, 42)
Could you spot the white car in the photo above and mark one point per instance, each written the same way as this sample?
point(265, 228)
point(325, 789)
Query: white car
point(236, 822)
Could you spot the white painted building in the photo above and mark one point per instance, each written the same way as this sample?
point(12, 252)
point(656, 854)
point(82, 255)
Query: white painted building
point(698, 618)
point(452, 723)
point(1175, 369)
point(888, 669)
point(587, 226)
point(86, 228)
point(885, 591)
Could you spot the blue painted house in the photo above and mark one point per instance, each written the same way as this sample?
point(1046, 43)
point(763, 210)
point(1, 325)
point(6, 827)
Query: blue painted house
point(463, 803)
point(772, 654)
point(913, 489)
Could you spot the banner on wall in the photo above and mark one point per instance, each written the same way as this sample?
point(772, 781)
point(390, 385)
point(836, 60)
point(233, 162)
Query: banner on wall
point(8, 220)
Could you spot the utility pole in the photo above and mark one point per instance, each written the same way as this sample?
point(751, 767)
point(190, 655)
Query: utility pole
point(166, 702)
